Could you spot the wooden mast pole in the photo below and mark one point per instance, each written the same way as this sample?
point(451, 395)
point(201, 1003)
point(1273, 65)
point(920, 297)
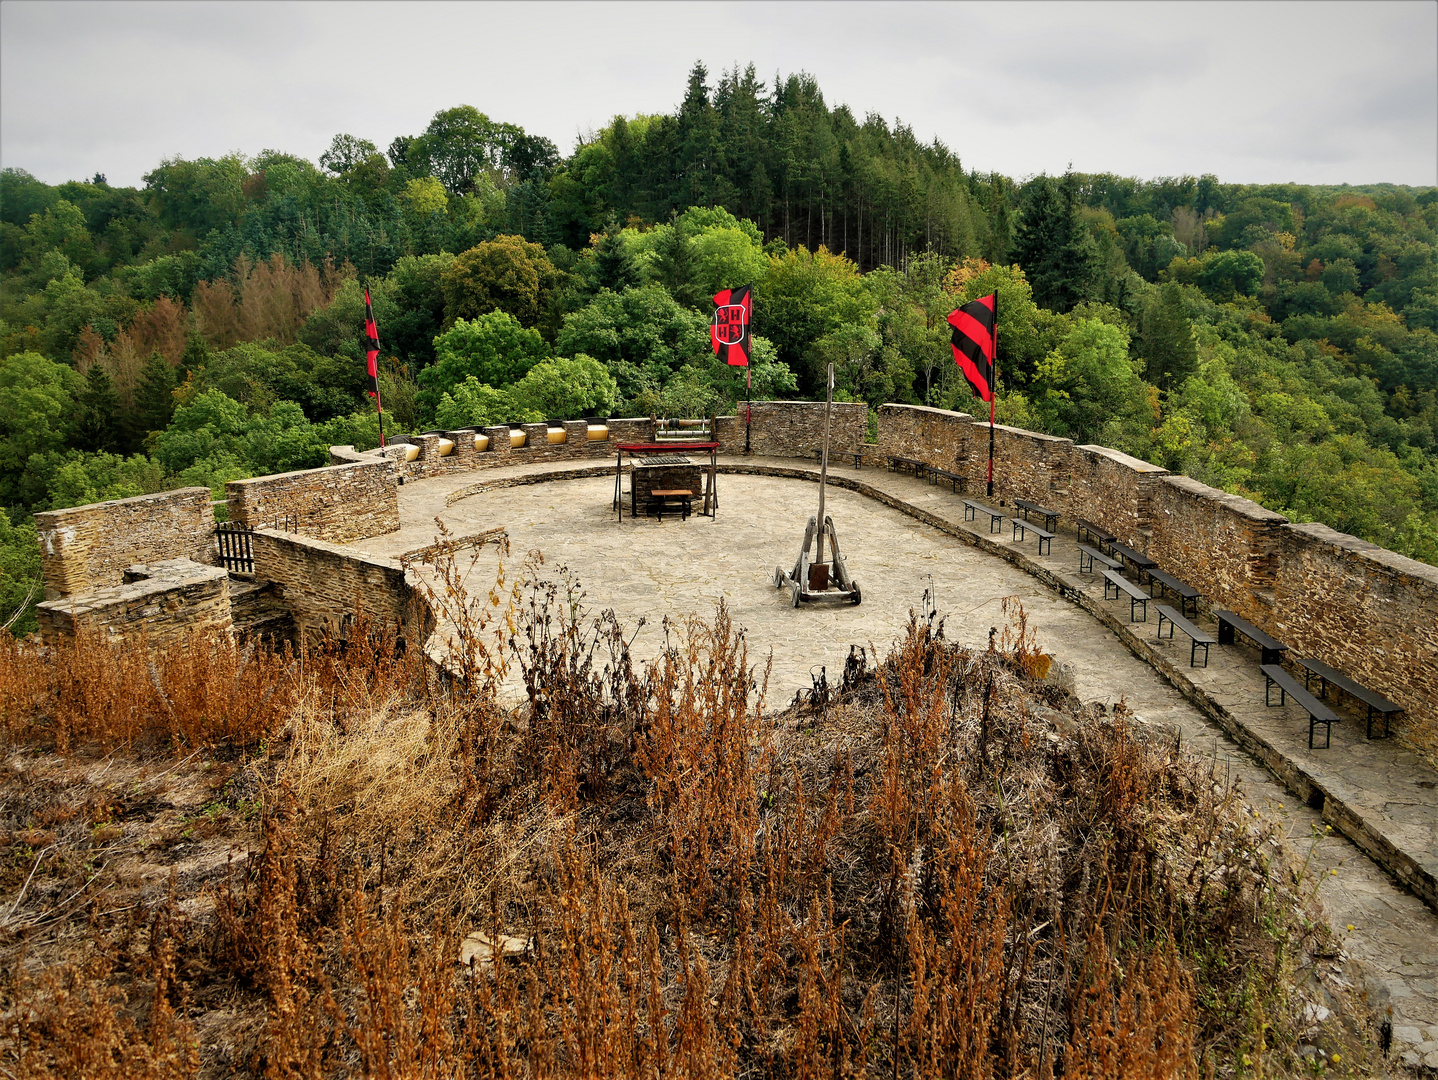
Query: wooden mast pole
point(824, 460)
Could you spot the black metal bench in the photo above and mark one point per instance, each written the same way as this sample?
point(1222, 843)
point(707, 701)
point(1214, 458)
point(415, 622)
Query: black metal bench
point(1187, 594)
point(973, 506)
point(1114, 580)
point(1139, 561)
point(1088, 556)
point(1270, 648)
point(904, 464)
point(1196, 636)
point(1376, 702)
point(1318, 713)
point(1096, 534)
point(1028, 506)
point(1022, 528)
point(959, 482)
point(856, 455)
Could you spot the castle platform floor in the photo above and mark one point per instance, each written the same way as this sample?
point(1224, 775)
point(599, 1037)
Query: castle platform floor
point(902, 537)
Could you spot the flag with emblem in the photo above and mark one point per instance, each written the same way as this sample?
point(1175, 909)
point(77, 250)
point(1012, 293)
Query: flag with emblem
point(729, 331)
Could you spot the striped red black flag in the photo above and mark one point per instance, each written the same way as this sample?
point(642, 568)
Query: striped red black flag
point(371, 333)
point(729, 331)
point(974, 340)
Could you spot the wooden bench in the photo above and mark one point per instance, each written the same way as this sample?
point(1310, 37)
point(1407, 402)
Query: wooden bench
point(959, 482)
point(1088, 556)
point(1022, 528)
point(1140, 562)
point(904, 464)
point(1376, 702)
point(1186, 594)
point(1196, 636)
point(1118, 583)
point(1028, 506)
point(1318, 713)
point(1096, 534)
point(973, 506)
point(1272, 650)
point(660, 499)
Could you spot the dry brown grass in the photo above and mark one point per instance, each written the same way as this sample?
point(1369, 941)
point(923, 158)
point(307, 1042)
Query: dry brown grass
point(917, 874)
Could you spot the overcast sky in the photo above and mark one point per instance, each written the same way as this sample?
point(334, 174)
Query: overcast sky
point(1254, 92)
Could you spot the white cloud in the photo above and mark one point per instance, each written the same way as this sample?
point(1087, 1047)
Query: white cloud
point(1310, 92)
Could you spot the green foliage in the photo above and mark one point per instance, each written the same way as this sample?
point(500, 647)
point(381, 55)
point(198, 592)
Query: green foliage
point(564, 388)
point(20, 583)
point(493, 348)
point(1057, 252)
point(37, 402)
point(1089, 388)
point(472, 403)
point(506, 274)
point(642, 336)
point(1165, 339)
point(805, 296)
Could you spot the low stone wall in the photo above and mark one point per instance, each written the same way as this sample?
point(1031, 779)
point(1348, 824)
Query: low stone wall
point(323, 585)
point(793, 428)
point(1366, 611)
point(337, 502)
point(84, 548)
point(162, 602)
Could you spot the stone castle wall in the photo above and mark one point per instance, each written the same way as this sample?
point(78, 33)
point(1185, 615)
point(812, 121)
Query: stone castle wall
point(323, 585)
point(337, 503)
point(89, 547)
point(1366, 611)
point(161, 603)
point(793, 428)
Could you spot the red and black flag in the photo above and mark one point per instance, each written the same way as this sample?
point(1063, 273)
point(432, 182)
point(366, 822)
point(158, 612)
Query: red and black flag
point(371, 333)
point(371, 356)
point(973, 341)
point(730, 329)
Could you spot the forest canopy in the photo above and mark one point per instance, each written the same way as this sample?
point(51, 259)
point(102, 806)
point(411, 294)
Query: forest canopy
point(1279, 341)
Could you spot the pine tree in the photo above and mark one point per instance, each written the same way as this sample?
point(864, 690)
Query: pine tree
point(1166, 339)
point(97, 424)
point(614, 266)
point(674, 265)
point(1053, 246)
point(154, 398)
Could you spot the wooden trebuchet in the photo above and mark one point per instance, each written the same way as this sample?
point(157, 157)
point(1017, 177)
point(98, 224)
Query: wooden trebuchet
point(843, 589)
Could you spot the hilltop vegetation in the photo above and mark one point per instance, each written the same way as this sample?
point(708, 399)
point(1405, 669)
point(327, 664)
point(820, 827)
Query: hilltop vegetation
point(1273, 340)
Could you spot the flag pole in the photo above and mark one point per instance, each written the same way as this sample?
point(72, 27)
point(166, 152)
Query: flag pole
point(993, 393)
point(749, 374)
point(824, 460)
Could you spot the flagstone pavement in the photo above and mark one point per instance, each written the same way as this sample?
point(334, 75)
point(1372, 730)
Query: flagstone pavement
point(901, 538)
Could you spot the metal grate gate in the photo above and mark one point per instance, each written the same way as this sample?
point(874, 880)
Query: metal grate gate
point(236, 554)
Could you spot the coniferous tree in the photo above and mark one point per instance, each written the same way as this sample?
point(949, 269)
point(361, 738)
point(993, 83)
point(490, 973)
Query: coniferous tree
point(614, 266)
point(1166, 339)
point(154, 398)
point(674, 265)
point(1052, 245)
point(97, 420)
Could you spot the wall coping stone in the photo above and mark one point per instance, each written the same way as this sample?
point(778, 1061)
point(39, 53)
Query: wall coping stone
point(1120, 458)
point(135, 500)
point(172, 574)
point(348, 552)
point(931, 411)
point(1235, 503)
point(1390, 561)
